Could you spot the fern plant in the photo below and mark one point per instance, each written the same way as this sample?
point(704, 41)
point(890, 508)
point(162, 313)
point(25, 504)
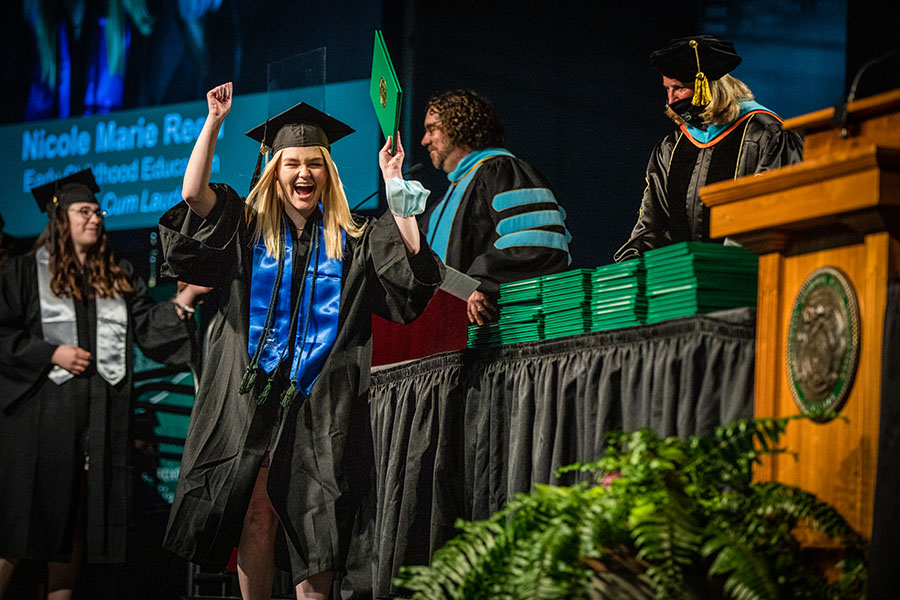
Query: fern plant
point(661, 518)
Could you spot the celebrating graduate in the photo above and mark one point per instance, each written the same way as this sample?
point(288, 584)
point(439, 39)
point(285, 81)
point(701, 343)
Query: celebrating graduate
point(70, 314)
point(722, 133)
point(279, 440)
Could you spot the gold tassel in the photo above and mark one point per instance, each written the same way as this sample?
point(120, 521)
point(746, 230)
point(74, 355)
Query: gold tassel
point(702, 94)
point(256, 172)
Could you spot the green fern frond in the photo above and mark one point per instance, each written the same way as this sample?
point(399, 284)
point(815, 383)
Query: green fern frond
point(794, 504)
point(671, 507)
point(666, 534)
point(548, 563)
point(730, 454)
point(748, 575)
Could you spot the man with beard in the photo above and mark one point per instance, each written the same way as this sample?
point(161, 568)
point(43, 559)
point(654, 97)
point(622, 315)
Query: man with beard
point(722, 134)
point(498, 221)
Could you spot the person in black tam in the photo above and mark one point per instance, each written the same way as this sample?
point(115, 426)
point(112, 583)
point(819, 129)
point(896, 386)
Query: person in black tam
point(279, 446)
point(723, 133)
point(70, 314)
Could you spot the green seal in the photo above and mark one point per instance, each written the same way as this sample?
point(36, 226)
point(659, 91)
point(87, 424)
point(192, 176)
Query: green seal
point(823, 343)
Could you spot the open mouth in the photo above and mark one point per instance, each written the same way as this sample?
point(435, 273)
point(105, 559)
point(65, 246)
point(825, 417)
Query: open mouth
point(304, 190)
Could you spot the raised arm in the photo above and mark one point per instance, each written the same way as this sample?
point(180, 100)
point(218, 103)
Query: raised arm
point(404, 201)
point(195, 189)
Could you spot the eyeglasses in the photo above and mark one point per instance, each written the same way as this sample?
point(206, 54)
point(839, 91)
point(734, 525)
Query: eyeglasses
point(86, 212)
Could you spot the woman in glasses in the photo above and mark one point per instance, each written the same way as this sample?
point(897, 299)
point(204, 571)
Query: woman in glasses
point(70, 314)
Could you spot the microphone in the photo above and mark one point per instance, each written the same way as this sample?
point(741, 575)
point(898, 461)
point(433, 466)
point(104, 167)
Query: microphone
point(841, 109)
point(411, 171)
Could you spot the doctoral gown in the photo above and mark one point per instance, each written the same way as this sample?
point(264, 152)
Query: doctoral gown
point(498, 221)
point(688, 159)
point(42, 437)
point(320, 446)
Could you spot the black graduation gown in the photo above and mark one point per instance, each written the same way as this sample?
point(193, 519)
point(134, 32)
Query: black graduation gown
point(671, 210)
point(471, 248)
point(41, 456)
point(321, 448)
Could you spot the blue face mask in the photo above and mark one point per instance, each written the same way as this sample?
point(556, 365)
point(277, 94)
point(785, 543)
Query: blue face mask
point(689, 112)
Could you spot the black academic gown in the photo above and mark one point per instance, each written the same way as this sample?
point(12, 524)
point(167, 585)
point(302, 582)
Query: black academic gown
point(471, 246)
point(41, 424)
point(320, 447)
point(671, 210)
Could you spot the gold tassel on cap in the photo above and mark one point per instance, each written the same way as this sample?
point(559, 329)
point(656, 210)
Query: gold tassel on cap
point(256, 172)
point(702, 95)
point(51, 212)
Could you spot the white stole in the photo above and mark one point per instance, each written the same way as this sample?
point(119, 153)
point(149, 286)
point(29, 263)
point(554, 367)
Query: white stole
point(59, 327)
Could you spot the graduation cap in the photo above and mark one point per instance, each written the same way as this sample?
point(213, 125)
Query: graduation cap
point(701, 57)
point(63, 192)
point(77, 187)
point(298, 127)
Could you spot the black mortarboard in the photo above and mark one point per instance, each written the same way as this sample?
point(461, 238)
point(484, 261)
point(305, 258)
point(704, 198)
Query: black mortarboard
point(297, 127)
point(300, 126)
point(77, 187)
point(702, 57)
point(678, 58)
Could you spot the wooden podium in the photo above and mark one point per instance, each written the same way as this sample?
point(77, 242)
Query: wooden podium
point(838, 208)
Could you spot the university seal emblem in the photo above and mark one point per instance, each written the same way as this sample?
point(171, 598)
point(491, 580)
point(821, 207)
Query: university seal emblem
point(823, 343)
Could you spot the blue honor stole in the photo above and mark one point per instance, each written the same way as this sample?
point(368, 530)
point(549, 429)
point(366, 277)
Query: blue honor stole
point(302, 332)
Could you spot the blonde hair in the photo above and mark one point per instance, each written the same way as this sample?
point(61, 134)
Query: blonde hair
point(727, 93)
point(266, 202)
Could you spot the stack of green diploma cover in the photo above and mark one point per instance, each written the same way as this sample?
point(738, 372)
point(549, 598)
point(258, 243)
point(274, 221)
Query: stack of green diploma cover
point(618, 295)
point(519, 319)
point(385, 92)
point(676, 281)
point(541, 308)
point(566, 303)
point(693, 277)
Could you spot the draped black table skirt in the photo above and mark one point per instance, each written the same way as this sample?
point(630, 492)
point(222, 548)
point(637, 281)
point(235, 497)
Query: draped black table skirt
point(459, 433)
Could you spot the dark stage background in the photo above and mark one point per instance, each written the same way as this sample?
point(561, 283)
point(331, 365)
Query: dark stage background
point(570, 80)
